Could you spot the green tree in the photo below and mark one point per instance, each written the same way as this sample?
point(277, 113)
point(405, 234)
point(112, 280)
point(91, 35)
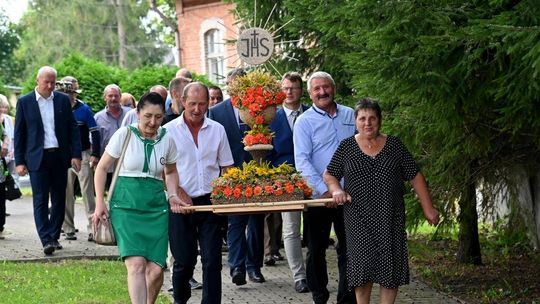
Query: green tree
point(110, 31)
point(9, 40)
point(458, 82)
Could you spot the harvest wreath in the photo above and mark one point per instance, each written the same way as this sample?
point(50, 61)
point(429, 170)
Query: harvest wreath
point(256, 96)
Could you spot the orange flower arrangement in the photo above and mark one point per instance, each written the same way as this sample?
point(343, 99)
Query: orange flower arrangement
point(258, 135)
point(256, 99)
point(260, 182)
point(254, 93)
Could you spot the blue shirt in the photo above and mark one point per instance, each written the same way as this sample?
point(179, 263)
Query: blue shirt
point(316, 137)
point(87, 125)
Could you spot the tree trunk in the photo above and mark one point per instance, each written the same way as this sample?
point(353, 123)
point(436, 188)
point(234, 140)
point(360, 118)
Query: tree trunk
point(122, 51)
point(469, 242)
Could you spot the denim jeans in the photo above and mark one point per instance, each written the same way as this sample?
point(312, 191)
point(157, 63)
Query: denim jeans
point(246, 249)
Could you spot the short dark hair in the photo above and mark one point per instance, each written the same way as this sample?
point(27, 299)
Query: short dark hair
point(368, 104)
point(214, 88)
point(293, 77)
point(151, 98)
point(233, 74)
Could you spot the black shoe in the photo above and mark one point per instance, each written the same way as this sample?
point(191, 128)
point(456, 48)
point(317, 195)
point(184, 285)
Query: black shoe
point(278, 257)
point(256, 276)
point(57, 245)
point(48, 249)
point(269, 261)
point(301, 286)
point(91, 237)
point(239, 277)
point(193, 284)
point(70, 236)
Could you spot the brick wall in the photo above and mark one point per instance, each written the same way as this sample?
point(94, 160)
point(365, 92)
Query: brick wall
point(193, 22)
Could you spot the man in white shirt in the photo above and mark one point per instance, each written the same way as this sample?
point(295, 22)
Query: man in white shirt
point(47, 143)
point(203, 154)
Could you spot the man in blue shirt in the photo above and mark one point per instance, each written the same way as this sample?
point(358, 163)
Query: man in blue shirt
point(317, 134)
point(90, 156)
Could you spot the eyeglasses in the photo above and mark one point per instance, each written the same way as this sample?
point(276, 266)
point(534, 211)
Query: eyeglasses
point(289, 88)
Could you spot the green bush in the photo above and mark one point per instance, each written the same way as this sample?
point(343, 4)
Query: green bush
point(3, 90)
point(92, 75)
point(141, 80)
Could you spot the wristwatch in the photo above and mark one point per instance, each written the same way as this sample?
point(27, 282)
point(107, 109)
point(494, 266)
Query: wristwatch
point(170, 195)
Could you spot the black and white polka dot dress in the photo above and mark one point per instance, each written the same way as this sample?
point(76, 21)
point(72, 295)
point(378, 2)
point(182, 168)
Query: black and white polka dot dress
point(375, 219)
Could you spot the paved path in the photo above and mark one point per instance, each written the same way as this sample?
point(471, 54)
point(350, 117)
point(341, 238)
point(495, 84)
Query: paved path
point(22, 244)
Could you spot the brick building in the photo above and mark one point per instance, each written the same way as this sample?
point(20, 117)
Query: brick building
point(204, 26)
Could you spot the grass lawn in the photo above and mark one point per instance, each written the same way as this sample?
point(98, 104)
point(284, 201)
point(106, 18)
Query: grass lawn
point(81, 281)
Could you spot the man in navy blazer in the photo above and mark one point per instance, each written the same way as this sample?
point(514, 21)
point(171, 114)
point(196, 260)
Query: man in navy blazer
point(46, 144)
point(245, 250)
point(283, 152)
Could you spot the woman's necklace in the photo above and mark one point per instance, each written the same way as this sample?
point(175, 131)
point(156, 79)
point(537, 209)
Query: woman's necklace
point(372, 144)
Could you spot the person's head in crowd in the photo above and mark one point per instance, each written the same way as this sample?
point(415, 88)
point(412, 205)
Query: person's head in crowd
point(321, 89)
point(161, 90)
point(127, 100)
point(291, 84)
point(195, 102)
point(184, 73)
point(176, 89)
point(46, 81)
point(233, 74)
point(111, 95)
point(4, 105)
point(368, 117)
point(151, 111)
point(215, 95)
point(70, 86)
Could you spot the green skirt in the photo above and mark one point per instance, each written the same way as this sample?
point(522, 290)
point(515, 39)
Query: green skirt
point(140, 218)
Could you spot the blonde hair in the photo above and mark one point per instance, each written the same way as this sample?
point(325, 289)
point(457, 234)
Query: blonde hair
point(4, 103)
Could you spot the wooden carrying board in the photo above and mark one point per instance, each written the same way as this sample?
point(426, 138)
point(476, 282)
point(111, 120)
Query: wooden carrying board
point(264, 207)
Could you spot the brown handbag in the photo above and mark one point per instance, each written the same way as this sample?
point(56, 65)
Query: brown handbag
point(104, 234)
point(103, 231)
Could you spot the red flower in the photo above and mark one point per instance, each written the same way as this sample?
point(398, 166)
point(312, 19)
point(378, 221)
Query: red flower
point(268, 189)
point(249, 191)
point(259, 119)
point(257, 190)
point(289, 188)
point(227, 191)
point(237, 192)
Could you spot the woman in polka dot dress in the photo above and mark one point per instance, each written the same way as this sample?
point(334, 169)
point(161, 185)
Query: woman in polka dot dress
point(374, 167)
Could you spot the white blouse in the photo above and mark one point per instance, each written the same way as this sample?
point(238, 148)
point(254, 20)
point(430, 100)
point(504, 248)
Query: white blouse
point(161, 151)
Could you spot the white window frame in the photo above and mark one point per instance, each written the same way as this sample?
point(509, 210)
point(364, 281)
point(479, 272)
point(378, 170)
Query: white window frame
point(207, 26)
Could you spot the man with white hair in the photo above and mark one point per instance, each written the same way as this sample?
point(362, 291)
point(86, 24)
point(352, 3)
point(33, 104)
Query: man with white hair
point(317, 134)
point(47, 143)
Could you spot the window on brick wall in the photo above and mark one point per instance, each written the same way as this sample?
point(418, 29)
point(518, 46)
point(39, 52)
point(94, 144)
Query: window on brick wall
point(214, 55)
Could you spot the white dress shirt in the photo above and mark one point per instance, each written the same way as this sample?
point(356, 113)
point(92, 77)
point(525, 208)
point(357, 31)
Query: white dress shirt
point(199, 165)
point(290, 116)
point(46, 108)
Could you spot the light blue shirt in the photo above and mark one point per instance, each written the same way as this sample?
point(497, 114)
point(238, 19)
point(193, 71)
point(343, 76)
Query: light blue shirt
point(316, 137)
